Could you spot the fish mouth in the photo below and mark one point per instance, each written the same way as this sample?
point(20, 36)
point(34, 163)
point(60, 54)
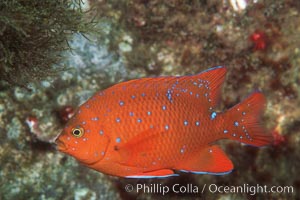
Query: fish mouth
point(61, 146)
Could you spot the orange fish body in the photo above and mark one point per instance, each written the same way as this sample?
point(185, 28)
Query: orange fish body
point(153, 127)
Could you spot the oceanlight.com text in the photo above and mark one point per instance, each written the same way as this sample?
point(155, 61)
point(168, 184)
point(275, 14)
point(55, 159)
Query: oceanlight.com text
point(212, 188)
point(250, 189)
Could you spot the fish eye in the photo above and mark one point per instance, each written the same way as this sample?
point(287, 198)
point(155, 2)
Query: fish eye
point(77, 132)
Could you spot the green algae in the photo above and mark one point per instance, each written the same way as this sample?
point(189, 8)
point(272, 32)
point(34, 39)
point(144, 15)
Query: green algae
point(33, 36)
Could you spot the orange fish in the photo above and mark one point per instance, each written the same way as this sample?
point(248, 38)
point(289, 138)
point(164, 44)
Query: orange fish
point(154, 127)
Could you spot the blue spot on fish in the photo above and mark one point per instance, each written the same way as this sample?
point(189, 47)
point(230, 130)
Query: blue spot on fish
point(118, 120)
point(182, 150)
point(236, 124)
point(213, 115)
point(164, 107)
point(139, 120)
point(169, 95)
point(166, 127)
point(121, 103)
point(101, 132)
point(131, 114)
point(118, 140)
point(185, 122)
point(197, 123)
point(225, 131)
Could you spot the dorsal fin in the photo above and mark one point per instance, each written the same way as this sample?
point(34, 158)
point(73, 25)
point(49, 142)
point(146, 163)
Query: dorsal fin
point(215, 78)
point(207, 84)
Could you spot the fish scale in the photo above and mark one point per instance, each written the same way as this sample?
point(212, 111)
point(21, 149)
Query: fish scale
point(154, 127)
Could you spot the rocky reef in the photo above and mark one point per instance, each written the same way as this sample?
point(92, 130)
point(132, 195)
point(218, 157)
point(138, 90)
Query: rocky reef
point(259, 43)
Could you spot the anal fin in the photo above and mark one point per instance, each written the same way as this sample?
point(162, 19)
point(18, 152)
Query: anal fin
point(162, 173)
point(210, 160)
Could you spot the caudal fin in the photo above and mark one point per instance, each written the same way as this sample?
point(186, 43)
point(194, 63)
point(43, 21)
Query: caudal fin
point(243, 121)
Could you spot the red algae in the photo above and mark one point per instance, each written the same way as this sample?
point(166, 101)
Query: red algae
point(65, 113)
point(259, 39)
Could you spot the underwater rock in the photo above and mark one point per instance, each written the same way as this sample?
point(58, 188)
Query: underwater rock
point(166, 38)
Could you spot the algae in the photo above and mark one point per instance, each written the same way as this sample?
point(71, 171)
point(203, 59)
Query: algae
point(33, 36)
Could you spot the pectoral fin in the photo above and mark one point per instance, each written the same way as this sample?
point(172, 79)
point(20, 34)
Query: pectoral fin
point(135, 151)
